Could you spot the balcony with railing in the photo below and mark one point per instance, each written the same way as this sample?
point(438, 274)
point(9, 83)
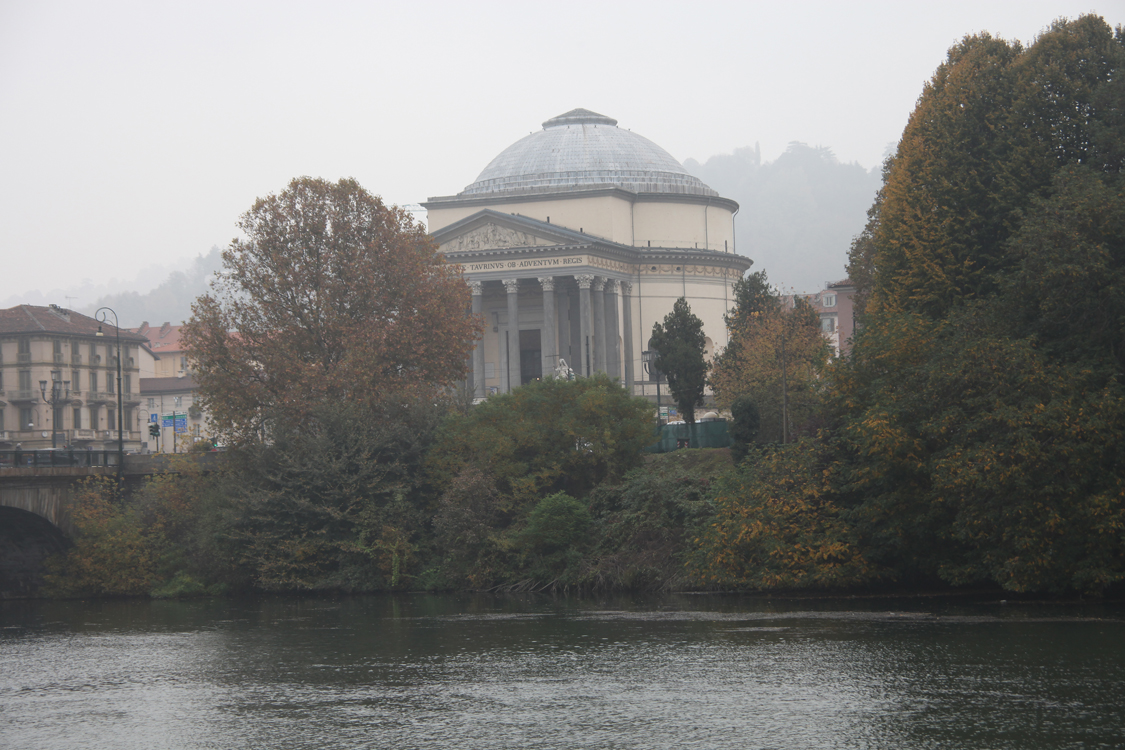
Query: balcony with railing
point(17, 396)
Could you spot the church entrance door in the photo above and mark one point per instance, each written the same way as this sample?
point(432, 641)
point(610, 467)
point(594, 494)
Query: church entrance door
point(531, 356)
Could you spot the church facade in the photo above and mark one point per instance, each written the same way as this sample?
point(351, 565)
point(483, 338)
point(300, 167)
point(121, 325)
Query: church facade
point(575, 240)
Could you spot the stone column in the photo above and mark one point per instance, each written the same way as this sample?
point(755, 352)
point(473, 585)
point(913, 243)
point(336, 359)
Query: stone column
point(612, 335)
point(514, 374)
point(563, 312)
point(598, 298)
point(585, 345)
point(550, 331)
point(627, 332)
point(478, 350)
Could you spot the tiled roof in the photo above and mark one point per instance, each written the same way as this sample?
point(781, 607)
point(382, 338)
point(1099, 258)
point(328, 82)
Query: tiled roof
point(58, 320)
point(162, 340)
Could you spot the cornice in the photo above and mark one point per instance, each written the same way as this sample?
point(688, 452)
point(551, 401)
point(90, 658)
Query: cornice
point(554, 194)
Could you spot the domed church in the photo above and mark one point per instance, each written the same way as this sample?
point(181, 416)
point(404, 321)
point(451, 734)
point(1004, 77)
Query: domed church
point(575, 240)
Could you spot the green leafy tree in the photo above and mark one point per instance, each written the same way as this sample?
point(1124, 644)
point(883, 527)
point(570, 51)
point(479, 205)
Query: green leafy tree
point(548, 436)
point(334, 504)
point(679, 343)
point(744, 426)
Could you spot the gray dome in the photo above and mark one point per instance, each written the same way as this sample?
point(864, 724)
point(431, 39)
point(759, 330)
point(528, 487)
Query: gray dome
point(582, 149)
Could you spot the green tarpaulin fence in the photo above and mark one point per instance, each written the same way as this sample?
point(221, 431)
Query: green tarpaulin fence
point(709, 434)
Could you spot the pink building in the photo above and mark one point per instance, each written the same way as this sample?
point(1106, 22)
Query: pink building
point(837, 316)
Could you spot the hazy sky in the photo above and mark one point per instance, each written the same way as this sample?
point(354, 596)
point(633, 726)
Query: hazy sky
point(134, 133)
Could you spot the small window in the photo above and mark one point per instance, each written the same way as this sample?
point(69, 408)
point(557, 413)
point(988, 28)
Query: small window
point(77, 419)
point(828, 324)
point(828, 300)
point(25, 419)
point(151, 403)
point(93, 381)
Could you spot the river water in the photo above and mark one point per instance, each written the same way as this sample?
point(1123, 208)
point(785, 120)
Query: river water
point(431, 671)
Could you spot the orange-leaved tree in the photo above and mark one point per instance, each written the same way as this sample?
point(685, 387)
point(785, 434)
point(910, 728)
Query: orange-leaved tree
point(331, 297)
point(774, 358)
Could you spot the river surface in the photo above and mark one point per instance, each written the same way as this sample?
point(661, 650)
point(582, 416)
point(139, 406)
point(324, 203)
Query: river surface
point(431, 671)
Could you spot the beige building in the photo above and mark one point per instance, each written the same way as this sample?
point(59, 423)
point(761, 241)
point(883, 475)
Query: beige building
point(58, 380)
point(170, 400)
point(172, 361)
point(575, 240)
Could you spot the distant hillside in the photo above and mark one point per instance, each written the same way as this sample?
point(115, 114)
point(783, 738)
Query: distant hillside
point(170, 301)
point(798, 214)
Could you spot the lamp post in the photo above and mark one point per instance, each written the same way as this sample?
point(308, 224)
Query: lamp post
point(648, 358)
point(102, 314)
point(60, 394)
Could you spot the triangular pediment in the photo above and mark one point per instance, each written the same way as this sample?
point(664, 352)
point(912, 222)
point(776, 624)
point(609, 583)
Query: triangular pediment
point(491, 230)
point(492, 237)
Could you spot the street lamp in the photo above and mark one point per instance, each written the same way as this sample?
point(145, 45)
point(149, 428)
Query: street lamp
point(648, 359)
point(102, 314)
point(60, 394)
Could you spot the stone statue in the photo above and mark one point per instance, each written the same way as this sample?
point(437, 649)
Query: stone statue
point(562, 372)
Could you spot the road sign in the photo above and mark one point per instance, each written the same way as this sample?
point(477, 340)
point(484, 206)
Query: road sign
point(153, 418)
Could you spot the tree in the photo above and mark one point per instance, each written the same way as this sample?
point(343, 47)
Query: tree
point(679, 343)
point(744, 426)
point(333, 504)
point(978, 427)
point(548, 436)
point(774, 358)
point(776, 525)
point(332, 297)
point(989, 132)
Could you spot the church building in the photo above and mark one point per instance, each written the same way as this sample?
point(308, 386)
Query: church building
point(575, 240)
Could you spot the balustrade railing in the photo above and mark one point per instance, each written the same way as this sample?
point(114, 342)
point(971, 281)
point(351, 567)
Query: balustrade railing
point(56, 457)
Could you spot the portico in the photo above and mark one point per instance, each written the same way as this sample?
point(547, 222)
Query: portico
point(574, 241)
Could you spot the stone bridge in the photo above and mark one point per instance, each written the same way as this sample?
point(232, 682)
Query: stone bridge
point(35, 511)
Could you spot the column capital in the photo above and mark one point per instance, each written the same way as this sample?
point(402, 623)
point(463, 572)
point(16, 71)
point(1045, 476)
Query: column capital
point(512, 285)
point(584, 280)
point(611, 285)
point(477, 287)
point(599, 283)
point(548, 283)
point(626, 287)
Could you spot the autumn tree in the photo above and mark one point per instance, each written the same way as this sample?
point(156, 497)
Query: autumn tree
point(774, 359)
point(989, 132)
point(679, 343)
point(977, 426)
point(331, 297)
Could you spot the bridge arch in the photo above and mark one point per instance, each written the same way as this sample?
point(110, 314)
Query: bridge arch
point(26, 541)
